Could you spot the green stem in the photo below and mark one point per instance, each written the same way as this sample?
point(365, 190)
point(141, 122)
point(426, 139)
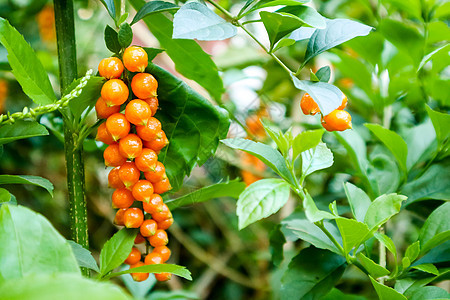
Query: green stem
point(382, 253)
point(330, 236)
point(67, 58)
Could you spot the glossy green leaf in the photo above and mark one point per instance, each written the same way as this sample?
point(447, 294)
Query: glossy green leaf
point(336, 32)
point(88, 97)
point(413, 250)
point(317, 158)
point(20, 130)
point(306, 14)
point(353, 233)
point(224, 189)
point(189, 58)
point(260, 200)
point(428, 268)
point(302, 33)
point(387, 242)
point(116, 250)
point(336, 294)
point(283, 43)
point(312, 274)
point(159, 268)
point(441, 123)
point(110, 7)
point(5, 196)
point(324, 74)
point(27, 179)
point(436, 229)
point(429, 292)
point(84, 257)
point(125, 35)
point(152, 52)
point(421, 141)
point(279, 138)
point(278, 25)
point(358, 200)
point(195, 20)
point(305, 141)
point(29, 244)
point(112, 40)
point(255, 5)
point(26, 66)
point(386, 293)
point(277, 241)
point(374, 269)
point(313, 214)
point(438, 254)
point(152, 7)
point(382, 209)
point(192, 124)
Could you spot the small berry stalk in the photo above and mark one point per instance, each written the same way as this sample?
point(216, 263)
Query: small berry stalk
point(135, 138)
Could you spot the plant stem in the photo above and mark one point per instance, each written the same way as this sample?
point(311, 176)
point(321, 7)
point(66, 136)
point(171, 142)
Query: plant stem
point(331, 237)
point(67, 58)
point(382, 261)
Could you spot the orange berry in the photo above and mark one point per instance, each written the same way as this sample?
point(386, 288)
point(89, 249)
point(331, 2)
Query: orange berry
point(344, 102)
point(118, 218)
point(139, 276)
point(157, 174)
point(153, 104)
point(147, 160)
point(159, 238)
point(163, 251)
point(103, 135)
point(114, 92)
point(112, 156)
point(149, 131)
point(110, 67)
point(135, 59)
point(148, 228)
point(255, 126)
point(154, 205)
point(133, 217)
point(104, 111)
point(162, 215)
point(137, 112)
point(129, 174)
point(162, 186)
point(118, 126)
point(114, 179)
point(139, 239)
point(142, 190)
point(153, 258)
point(134, 257)
point(130, 146)
point(163, 276)
point(144, 85)
point(157, 144)
point(337, 120)
point(122, 198)
point(308, 105)
point(165, 224)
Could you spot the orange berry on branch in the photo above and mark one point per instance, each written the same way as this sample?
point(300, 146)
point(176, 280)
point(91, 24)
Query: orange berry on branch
point(153, 258)
point(147, 161)
point(165, 224)
point(154, 205)
point(135, 59)
point(308, 105)
point(112, 156)
point(104, 111)
point(118, 126)
point(130, 146)
point(122, 198)
point(162, 186)
point(157, 174)
point(139, 276)
point(118, 218)
point(144, 85)
point(114, 92)
point(114, 180)
point(138, 112)
point(158, 143)
point(110, 67)
point(103, 135)
point(129, 174)
point(148, 228)
point(133, 217)
point(159, 238)
point(163, 215)
point(163, 276)
point(134, 257)
point(149, 131)
point(163, 251)
point(337, 120)
point(142, 190)
point(344, 102)
point(153, 104)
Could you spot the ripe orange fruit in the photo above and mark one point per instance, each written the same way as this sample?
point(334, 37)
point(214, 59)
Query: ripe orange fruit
point(147, 160)
point(149, 131)
point(103, 135)
point(153, 258)
point(163, 215)
point(154, 204)
point(163, 276)
point(118, 126)
point(159, 238)
point(133, 217)
point(153, 104)
point(158, 143)
point(142, 190)
point(165, 224)
point(162, 186)
point(137, 112)
point(114, 179)
point(158, 173)
point(144, 85)
point(114, 92)
point(163, 251)
point(134, 257)
point(112, 156)
point(130, 146)
point(122, 198)
point(118, 218)
point(337, 120)
point(139, 276)
point(129, 174)
point(308, 105)
point(110, 67)
point(135, 59)
point(148, 228)
point(104, 111)
point(344, 102)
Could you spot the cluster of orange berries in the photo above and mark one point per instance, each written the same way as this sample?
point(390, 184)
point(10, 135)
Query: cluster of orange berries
point(337, 120)
point(135, 139)
point(46, 23)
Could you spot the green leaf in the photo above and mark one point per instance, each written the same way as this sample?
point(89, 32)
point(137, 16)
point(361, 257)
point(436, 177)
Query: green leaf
point(436, 229)
point(192, 124)
point(313, 214)
point(189, 58)
point(337, 31)
point(358, 200)
point(441, 123)
point(280, 139)
point(271, 157)
point(60, 286)
point(116, 250)
point(305, 141)
point(302, 33)
point(324, 74)
point(327, 96)
point(27, 179)
point(224, 189)
point(393, 142)
point(383, 172)
point(112, 40)
point(353, 233)
point(152, 7)
point(283, 43)
point(382, 209)
point(260, 200)
point(312, 274)
point(386, 293)
point(125, 35)
point(88, 97)
point(306, 14)
point(123, 18)
point(336, 294)
point(26, 67)
point(173, 295)
point(279, 25)
point(428, 268)
point(277, 241)
point(438, 254)
point(30, 245)
point(255, 5)
point(317, 158)
point(429, 56)
point(421, 140)
point(388, 243)
point(84, 257)
point(5, 196)
point(412, 252)
point(429, 292)
point(152, 52)
point(196, 21)
point(160, 268)
point(21, 130)
point(110, 7)
point(374, 269)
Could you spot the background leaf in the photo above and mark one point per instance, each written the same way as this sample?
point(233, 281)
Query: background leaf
point(317, 158)
point(21, 130)
point(116, 250)
point(278, 25)
point(27, 179)
point(159, 268)
point(441, 123)
point(358, 200)
point(152, 7)
point(436, 229)
point(306, 14)
point(84, 257)
point(110, 7)
point(277, 241)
